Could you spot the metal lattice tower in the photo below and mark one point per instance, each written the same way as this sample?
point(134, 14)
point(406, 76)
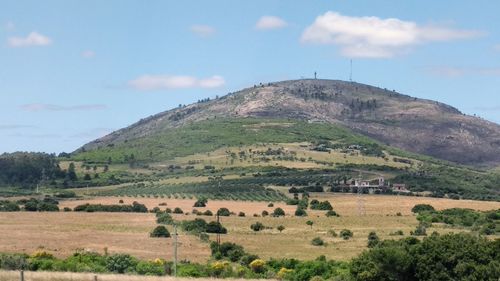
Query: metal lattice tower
point(361, 199)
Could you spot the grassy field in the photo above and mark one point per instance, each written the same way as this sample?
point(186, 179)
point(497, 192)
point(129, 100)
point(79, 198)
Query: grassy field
point(70, 276)
point(64, 232)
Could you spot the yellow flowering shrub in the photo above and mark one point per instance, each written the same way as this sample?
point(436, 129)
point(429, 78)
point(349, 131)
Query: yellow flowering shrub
point(283, 272)
point(257, 265)
point(41, 254)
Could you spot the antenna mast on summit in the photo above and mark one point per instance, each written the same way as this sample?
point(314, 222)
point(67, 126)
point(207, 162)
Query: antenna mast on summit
point(350, 73)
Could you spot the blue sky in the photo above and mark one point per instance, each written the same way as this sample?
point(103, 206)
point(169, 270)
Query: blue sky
point(72, 71)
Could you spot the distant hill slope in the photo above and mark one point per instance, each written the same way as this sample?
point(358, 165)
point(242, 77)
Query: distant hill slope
point(416, 125)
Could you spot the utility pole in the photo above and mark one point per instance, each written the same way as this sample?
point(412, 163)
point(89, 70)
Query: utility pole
point(218, 233)
point(175, 250)
point(361, 200)
point(315, 75)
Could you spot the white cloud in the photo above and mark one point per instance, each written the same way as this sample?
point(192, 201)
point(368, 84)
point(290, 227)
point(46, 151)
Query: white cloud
point(33, 39)
point(373, 37)
point(202, 30)
point(35, 107)
point(88, 54)
point(270, 22)
point(158, 82)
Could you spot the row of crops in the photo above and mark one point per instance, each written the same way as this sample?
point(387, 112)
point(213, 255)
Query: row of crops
point(227, 190)
point(246, 188)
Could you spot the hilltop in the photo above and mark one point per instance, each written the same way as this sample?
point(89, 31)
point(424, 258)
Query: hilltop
point(396, 120)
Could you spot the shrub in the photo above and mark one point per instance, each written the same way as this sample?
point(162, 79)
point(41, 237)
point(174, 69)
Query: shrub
point(160, 231)
point(317, 241)
point(258, 266)
point(67, 209)
point(310, 223)
point(120, 201)
point(316, 205)
point(397, 232)
point(227, 250)
point(215, 227)
point(120, 263)
point(373, 239)
point(278, 212)
point(201, 202)
point(265, 213)
point(419, 208)
point(331, 213)
point(421, 230)
point(194, 226)
point(13, 261)
point(178, 210)
point(7, 206)
point(150, 268)
point(247, 259)
point(258, 226)
point(223, 212)
point(270, 205)
point(300, 212)
point(332, 233)
point(280, 228)
point(346, 234)
point(208, 213)
point(241, 214)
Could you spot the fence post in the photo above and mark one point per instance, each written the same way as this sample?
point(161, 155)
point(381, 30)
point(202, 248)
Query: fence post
point(95, 277)
point(22, 275)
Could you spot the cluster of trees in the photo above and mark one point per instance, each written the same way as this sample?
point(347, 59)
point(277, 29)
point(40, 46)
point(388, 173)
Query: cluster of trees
point(487, 223)
point(134, 208)
point(47, 204)
point(28, 169)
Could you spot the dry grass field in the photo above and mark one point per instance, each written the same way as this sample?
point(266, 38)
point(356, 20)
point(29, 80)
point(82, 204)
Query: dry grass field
point(69, 276)
point(63, 232)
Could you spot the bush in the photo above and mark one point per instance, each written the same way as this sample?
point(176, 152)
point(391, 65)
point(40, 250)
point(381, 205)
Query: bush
point(227, 250)
point(280, 228)
point(300, 212)
point(397, 232)
point(325, 205)
point(419, 208)
point(278, 212)
point(215, 227)
point(258, 226)
point(178, 210)
point(331, 213)
point(265, 213)
point(7, 206)
point(201, 202)
point(13, 261)
point(224, 212)
point(208, 213)
point(194, 226)
point(421, 230)
point(310, 223)
point(150, 268)
point(164, 218)
point(258, 266)
point(373, 239)
point(332, 233)
point(346, 234)
point(317, 242)
point(241, 214)
point(270, 205)
point(160, 231)
point(120, 263)
point(247, 259)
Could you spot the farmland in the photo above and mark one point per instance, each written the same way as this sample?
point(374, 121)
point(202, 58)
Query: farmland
point(62, 233)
